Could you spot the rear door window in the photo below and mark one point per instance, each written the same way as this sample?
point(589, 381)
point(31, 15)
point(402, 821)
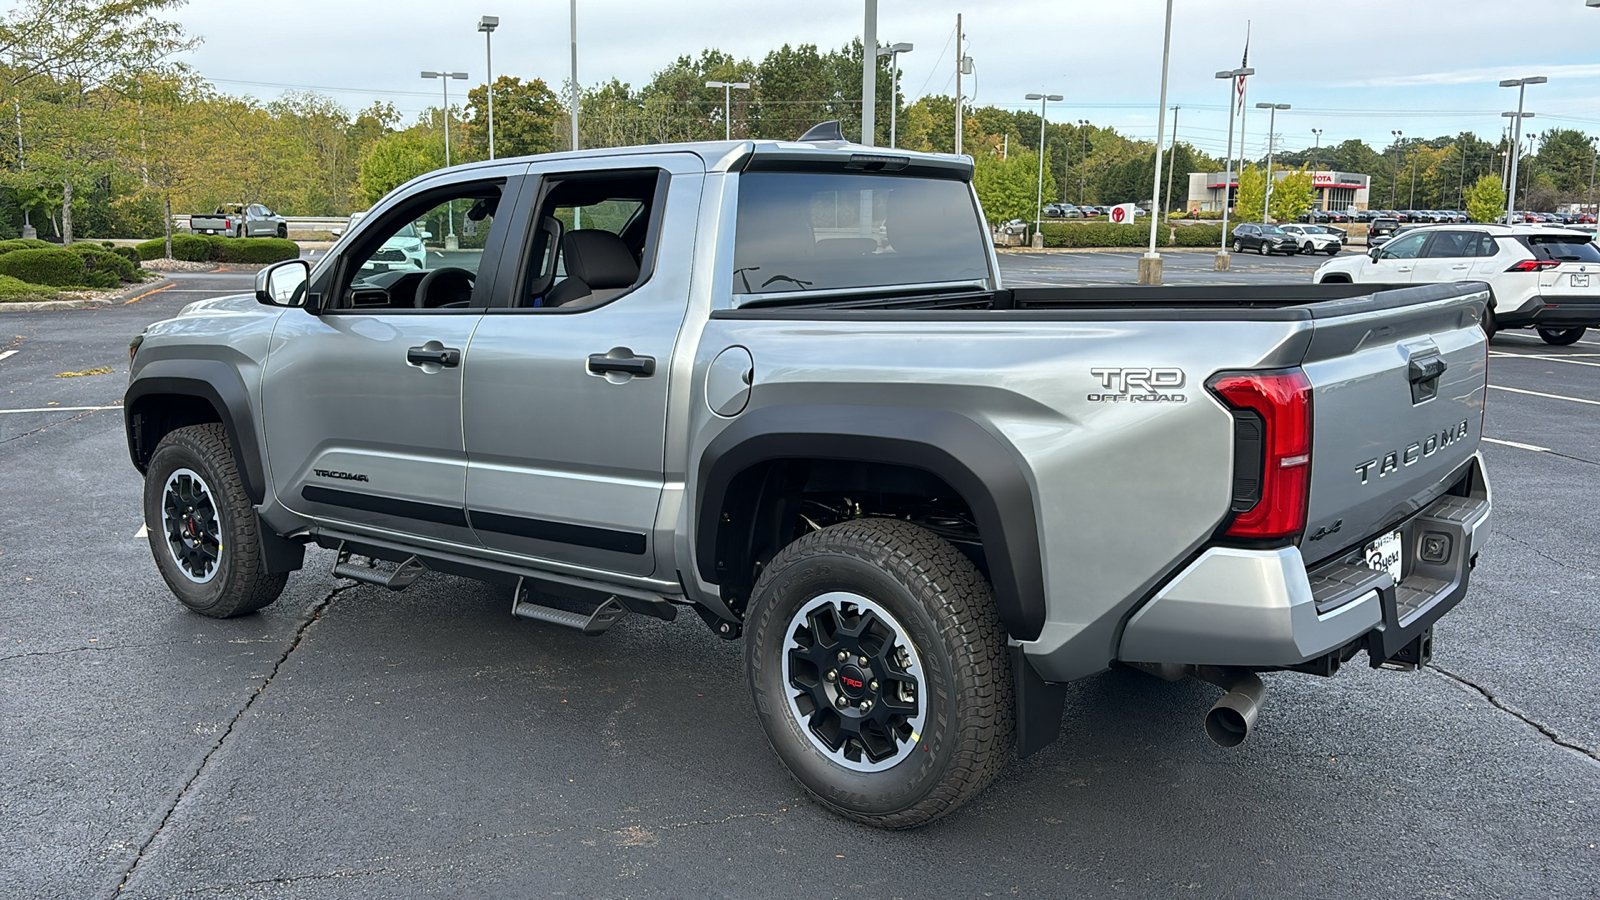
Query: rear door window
point(807, 231)
point(1451, 245)
point(1563, 247)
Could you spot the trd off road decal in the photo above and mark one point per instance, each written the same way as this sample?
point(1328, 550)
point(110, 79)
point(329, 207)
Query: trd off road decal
point(1138, 386)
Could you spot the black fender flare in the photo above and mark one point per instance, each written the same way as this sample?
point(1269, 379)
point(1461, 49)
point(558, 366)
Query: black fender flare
point(215, 382)
point(967, 456)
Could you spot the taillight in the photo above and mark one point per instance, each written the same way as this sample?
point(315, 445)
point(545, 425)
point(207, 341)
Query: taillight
point(1533, 265)
point(1272, 451)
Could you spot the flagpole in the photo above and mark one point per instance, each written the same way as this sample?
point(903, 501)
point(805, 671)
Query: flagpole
point(1244, 107)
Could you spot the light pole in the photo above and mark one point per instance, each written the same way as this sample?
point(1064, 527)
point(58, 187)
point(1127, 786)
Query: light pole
point(1272, 134)
point(487, 25)
point(727, 102)
point(1083, 160)
point(1521, 84)
point(1150, 263)
point(893, 52)
point(1592, 161)
point(1513, 156)
point(869, 75)
point(1394, 167)
point(1227, 171)
point(1317, 133)
point(450, 241)
point(574, 74)
point(1038, 203)
point(1412, 203)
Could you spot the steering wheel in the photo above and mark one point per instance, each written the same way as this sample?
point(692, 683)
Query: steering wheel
point(449, 286)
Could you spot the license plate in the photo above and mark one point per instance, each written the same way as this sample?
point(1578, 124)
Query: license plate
point(1384, 555)
point(1580, 280)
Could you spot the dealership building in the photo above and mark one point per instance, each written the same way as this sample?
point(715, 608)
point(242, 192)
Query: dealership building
point(1335, 190)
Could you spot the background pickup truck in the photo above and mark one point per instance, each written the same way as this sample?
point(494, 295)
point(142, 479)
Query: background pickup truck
point(239, 220)
point(781, 385)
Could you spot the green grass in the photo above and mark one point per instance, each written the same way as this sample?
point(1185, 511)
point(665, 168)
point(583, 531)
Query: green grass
point(15, 290)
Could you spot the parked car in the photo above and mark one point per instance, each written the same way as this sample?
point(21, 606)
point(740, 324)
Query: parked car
point(1542, 277)
point(1090, 212)
point(1314, 238)
point(612, 420)
point(1014, 226)
point(1264, 239)
point(238, 220)
point(1379, 229)
point(1055, 210)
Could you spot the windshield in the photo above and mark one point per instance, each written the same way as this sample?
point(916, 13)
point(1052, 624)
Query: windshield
point(818, 231)
point(1563, 248)
point(1271, 229)
point(1312, 229)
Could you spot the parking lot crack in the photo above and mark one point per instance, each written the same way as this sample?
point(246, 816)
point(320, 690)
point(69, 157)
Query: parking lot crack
point(1526, 719)
point(1534, 549)
point(311, 617)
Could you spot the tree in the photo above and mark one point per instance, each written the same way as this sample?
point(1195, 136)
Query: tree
point(527, 119)
point(1293, 194)
point(1251, 200)
point(396, 159)
point(1008, 188)
point(1486, 198)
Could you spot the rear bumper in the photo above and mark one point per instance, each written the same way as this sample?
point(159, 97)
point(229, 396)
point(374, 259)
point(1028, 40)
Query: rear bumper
point(1554, 312)
point(1262, 609)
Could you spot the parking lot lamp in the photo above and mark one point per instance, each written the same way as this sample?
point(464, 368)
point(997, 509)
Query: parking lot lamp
point(1227, 167)
point(1316, 148)
point(1394, 168)
point(869, 75)
point(1150, 263)
point(444, 78)
point(1272, 133)
point(727, 102)
point(1083, 159)
point(1594, 159)
point(893, 52)
point(1038, 202)
point(1521, 84)
point(487, 25)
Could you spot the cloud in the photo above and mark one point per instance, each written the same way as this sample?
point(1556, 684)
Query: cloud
point(1476, 76)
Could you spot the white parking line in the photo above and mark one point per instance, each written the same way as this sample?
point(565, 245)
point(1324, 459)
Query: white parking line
point(8, 353)
point(1551, 396)
point(1562, 359)
point(1517, 445)
point(143, 532)
point(41, 409)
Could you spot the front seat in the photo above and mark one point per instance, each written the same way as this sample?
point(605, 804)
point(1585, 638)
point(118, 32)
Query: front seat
point(599, 266)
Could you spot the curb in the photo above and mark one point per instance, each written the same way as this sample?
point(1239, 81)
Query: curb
point(125, 295)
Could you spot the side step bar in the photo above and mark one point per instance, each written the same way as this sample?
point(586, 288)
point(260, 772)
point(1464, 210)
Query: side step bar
point(398, 579)
point(594, 623)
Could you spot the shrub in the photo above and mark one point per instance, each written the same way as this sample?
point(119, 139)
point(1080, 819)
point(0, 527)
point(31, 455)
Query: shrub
point(100, 261)
point(17, 290)
point(25, 244)
point(252, 250)
point(1197, 236)
point(1102, 234)
point(57, 268)
point(131, 254)
point(191, 247)
point(216, 248)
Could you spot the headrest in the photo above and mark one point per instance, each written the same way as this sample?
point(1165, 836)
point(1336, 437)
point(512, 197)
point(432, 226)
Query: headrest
point(599, 258)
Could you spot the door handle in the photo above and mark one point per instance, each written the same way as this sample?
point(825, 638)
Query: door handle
point(444, 356)
point(641, 366)
point(1459, 268)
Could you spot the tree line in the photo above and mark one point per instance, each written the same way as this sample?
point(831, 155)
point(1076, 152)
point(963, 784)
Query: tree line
point(110, 131)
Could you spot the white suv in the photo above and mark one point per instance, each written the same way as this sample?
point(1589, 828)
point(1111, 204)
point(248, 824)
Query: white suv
point(1546, 278)
point(1314, 238)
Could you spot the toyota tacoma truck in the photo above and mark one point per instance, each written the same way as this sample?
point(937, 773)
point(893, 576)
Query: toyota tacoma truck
point(782, 385)
point(239, 220)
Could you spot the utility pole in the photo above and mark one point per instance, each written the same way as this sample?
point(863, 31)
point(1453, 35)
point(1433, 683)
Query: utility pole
point(1394, 167)
point(1412, 203)
point(960, 65)
point(1592, 161)
point(1272, 133)
point(869, 75)
point(574, 74)
point(1083, 160)
point(1461, 185)
point(1167, 211)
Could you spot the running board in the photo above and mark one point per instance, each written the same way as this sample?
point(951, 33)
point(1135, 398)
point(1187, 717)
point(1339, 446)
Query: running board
point(398, 579)
point(594, 623)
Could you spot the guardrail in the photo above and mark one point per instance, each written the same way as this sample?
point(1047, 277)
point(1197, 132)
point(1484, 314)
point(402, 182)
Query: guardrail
point(335, 224)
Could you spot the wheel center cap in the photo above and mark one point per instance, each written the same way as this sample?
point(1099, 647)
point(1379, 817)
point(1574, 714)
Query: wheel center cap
point(852, 682)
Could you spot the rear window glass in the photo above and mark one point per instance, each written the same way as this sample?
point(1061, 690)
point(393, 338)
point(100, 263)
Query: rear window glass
point(1563, 247)
point(817, 231)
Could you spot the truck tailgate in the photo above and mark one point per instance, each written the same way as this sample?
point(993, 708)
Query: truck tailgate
point(1398, 387)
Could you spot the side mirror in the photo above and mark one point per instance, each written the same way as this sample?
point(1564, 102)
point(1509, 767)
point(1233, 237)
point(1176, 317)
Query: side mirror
point(1374, 253)
point(283, 284)
point(424, 233)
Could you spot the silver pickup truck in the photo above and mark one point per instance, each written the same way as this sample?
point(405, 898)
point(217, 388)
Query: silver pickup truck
point(781, 384)
point(240, 220)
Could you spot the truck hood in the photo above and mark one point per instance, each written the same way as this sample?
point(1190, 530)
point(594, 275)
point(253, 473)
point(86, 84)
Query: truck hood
point(237, 303)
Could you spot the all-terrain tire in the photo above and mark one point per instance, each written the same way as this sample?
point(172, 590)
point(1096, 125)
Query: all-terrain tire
point(237, 582)
point(1561, 337)
point(945, 610)
point(283, 231)
point(1490, 326)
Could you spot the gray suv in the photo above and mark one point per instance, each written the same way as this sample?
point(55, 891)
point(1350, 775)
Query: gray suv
point(781, 386)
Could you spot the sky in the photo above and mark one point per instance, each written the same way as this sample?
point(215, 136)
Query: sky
point(1355, 68)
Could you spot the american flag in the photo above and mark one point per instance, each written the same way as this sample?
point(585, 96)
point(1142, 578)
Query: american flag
point(1244, 63)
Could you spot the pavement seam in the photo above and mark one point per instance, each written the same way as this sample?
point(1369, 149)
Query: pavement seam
point(1521, 716)
point(299, 634)
point(1534, 549)
point(43, 428)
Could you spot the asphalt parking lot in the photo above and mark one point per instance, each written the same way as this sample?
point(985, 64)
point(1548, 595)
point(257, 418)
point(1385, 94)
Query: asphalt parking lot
point(349, 742)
